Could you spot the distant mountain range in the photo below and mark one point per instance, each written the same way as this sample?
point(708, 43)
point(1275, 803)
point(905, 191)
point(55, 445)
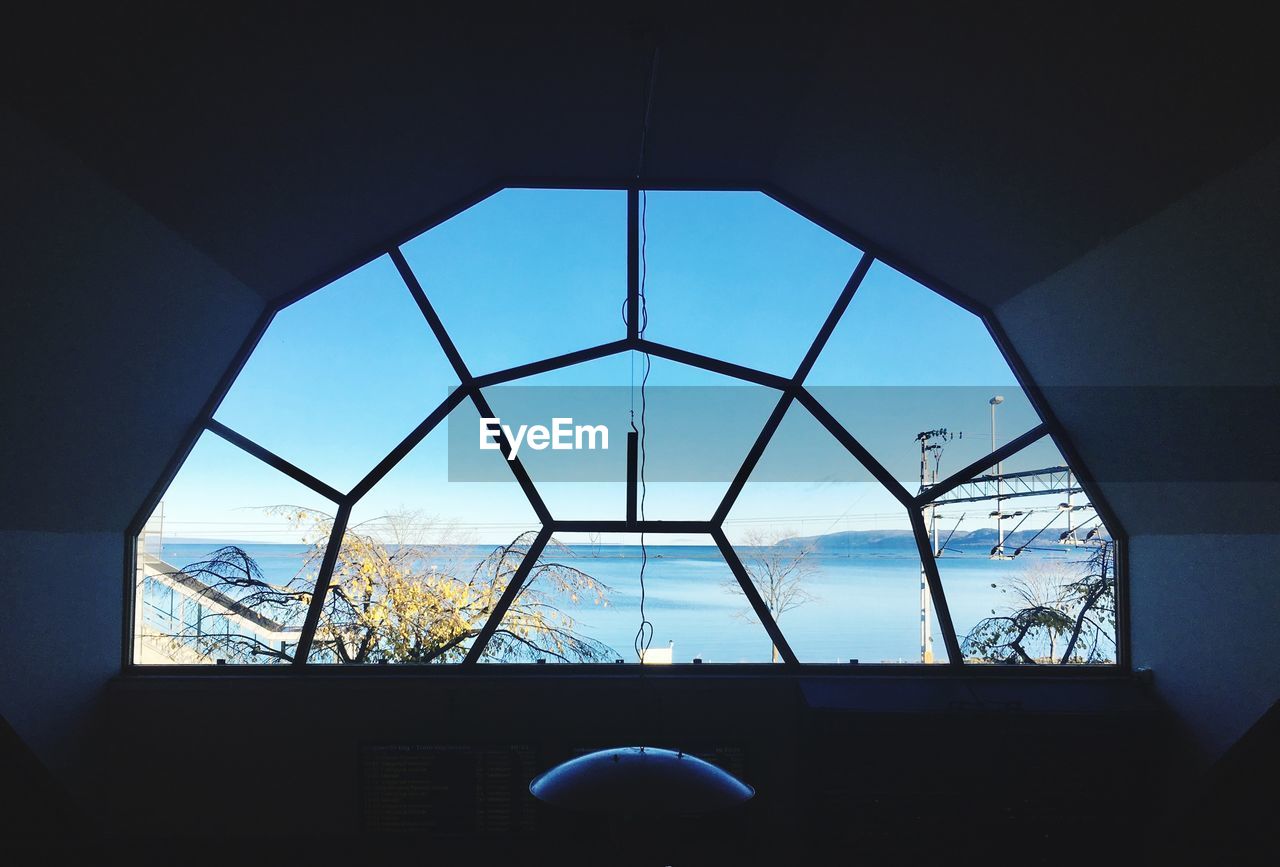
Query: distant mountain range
point(848, 542)
point(979, 541)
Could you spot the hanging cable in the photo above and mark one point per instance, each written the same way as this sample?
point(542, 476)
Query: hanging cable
point(644, 635)
point(1022, 547)
point(943, 546)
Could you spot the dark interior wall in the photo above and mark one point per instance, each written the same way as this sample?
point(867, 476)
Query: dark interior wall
point(933, 767)
point(1158, 353)
point(115, 333)
point(1204, 622)
point(60, 638)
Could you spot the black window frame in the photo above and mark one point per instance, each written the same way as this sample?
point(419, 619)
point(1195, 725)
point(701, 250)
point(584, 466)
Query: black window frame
point(791, 390)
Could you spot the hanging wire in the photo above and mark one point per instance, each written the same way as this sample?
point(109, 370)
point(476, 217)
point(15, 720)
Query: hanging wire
point(644, 635)
point(946, 541)
point(1024, 545)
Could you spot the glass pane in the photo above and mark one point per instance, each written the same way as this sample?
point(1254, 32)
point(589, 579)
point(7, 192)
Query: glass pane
point(587, 483)
point(1027, 564)
point(904, 360)
point(698, 428)
point(582, 604)
point(423, 560)
point(226, 563)
point(527, 274)
point(341, 376)
point(833, 553)
point(737, 276)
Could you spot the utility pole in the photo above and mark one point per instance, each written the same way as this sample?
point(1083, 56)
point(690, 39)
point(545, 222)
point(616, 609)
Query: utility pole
point(931, 443)
point(997, 553)
point(1069, 537)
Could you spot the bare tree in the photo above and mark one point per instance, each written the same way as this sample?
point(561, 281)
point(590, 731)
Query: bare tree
point(778, 567)
point(1073, 600)
point(394, 598)
point(1042, 587)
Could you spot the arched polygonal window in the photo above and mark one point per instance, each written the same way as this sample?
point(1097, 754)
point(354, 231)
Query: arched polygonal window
point(626, 426)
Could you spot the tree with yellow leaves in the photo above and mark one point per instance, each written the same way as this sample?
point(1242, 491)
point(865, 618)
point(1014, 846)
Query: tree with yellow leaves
point(395, 598)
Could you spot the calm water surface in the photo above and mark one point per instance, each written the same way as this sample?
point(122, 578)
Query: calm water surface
point(863, 606)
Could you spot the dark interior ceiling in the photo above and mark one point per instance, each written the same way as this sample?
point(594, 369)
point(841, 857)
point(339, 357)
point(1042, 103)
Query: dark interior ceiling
point(981, 147)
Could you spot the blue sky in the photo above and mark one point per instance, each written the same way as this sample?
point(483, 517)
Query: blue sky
point(342, 375)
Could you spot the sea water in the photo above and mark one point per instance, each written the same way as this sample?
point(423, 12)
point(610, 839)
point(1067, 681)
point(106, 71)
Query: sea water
point(863, 606)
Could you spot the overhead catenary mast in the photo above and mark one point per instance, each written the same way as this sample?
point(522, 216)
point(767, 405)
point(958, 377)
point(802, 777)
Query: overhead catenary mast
point(997, 552)
point(994, 485)
point(931, 444)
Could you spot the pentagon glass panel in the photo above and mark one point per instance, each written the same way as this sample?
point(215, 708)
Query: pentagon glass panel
point(582, 604)
point(830, 548)
point(740, 277)
point(1027, 563)
point(697, 429)
point(527, 274)
point(423, 559)
point(227, 562)
point(904, 361)
point(341, 376)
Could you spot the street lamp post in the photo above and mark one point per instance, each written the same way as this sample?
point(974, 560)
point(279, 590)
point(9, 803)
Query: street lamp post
point(998, 552)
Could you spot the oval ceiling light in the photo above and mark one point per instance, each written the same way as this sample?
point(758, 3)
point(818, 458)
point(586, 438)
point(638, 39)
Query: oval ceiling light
point(638, 781)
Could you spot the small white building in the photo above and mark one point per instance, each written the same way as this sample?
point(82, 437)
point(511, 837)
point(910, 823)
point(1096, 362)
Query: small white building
point(658, 655)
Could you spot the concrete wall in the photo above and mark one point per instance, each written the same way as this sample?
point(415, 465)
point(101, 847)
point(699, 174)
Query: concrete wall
point(1158, 350)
